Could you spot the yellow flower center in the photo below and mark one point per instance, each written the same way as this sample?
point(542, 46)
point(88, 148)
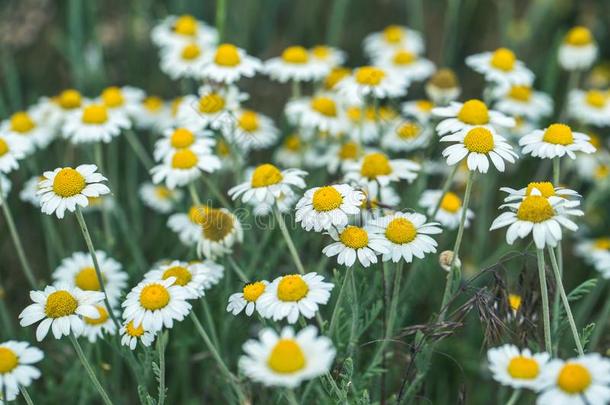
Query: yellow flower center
point(184, 159)
point(86, 279)
point(95, 114)
point(321, 52)
point(546, 188)
point(479, 140)
point(602, 243)
point(524, 368)
point(60, 303)
point(349, 150)
point(535, 208)
point(163, 192)
point(22, 122)
point(369, 75)
point(326, 199)
point(266, 175)
point(400, 230)
point(424, 105)
point(375, 164)
point(602, 171)
point(325, 106)
point(558, 134)
point(69, 99)
point(99, 320)
point(520, 93)
point(182, 275)
point(514, 301)
point(335, 76)
point(474, 112)
point(578, 36)
point(596, 98)
point(286, 357)
point(393, 34)
point(248, 121)
point(354, 237)
point(186, 25)
point(196, 213)
point(3, 147)
point(174, 105)
point(68, 182)
point(8, 360)
point(113, 97)
point(227, 55)
point(408, 130)
point(451, 202)
point(190, 52)
point(152, 103)
point(574, 378)
point(254, 290)
point(503, 59)
point(211, 103)
point(222, 148)
point(292, 288)
point(134, 332)
point(154, 296)
point(404, 58)
point(444, 79)
point(595, 140)
point(296, 55)
point(216, 224)
point(182, 138)
point(293, 143)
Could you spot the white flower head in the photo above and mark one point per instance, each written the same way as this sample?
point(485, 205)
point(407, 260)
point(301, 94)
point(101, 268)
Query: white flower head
point(354, 242)
point(556, 140)
point(501, 67)
point(228, 63)
point(578, 50)
point(182, 166)
point(191, 278)
point(12, 149)
point(131, 335)
point(17, 369)
point(174, 31)
point(324, 207)
point(392, 38)
point(29, 126)
point(160, 198)
point(472, 113)
point(247, 298)
point(450, 209)
point(517, 368)
point(372, 82)
point(297, 65)
point(266, 183)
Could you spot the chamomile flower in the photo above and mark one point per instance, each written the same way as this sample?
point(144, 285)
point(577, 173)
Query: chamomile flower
point(185, 60)
point(175, 139)
point(405, 136)
point(478, 145)
point(228, 64)
point(366, 123)
point(151, 113)
point(251, 130)
point(16, 366)
point(284, 204)
point(160, 198)
point(94, 122)
point(292, 295)
point(392, 38)
point(247, 298)
point(328, 206)
point(155, 304)
point(290, 152)
point(296, 64)
point(541, 216)
point(333, 78)
point(472, 113)
point(556, 140)
point(421, 110)
point(12, 149)
point(376, 170)
point(578, 50)
point(219, 231)
point(591, 250)
point(517, 368)
point(590, 107)
point(288, 359)
point(121, 100)
point(579, 381)
point(321, 113)
point(450, 209)
point(372, 82)
point(212, 108)
point(407, 234)
point(183, 166)
point(328, 55)
point(96, 327)
point(191, 278)
point(131, 335)
point(56, 108)
point(212, 271)
point(523, 101)
point(77, 271)
point(60, 308)
point(267, 182)
point(407, 64)
point(547, 189)
point(354, 242)
point(29, 127)
point(177, 30)
point(443, 87)
point(186, 225)
point(341, 156)
point(501, 67)
point(29, 192)
point(64, 188)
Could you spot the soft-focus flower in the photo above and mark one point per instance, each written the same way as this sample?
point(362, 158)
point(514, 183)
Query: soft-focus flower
point(556, 140)
point(228, 63)
point(517, 368)
point(247, 298)
point(16, 367)
point(267, 182)
point(354, 242)
point(501, 67)
point(160, 198)
point(578, 50)
point(450, 209)
point(324, 207)
point(297, 65)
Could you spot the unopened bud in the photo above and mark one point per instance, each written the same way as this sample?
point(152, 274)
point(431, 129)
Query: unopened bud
point(445, 259)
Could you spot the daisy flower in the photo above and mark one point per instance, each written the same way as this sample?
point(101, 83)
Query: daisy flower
point(55, 109)
point(160, 198)
point(443, 87)
point(517, 368)
point(331, 56)
point(296, 64)
point(333, 77)
point(12, 149)
point(319, 113)
point(592, 249)
point(175, 139)
point(151, 113)
point(94, 122)
point(121, 100)
point(324, 207)
point(478, 146)
point(187, 225)
point(284, 204)
point(341, 156)
point(96, 327)
point(578, 50)
point(191, 278)
point(590, 107)
point(354, 242)
point(408, 64)
point(290, 152)
point(28, 126)
point(376, 170)
point(472, 113)
point(155, 304)
point(212, 108)
point(392, 38)
point(212, 271)
point(267, 182)
point(131, 335)
point(292, 295)
point(60, 308)
point(547, 189)
point(542, 216)
point(366, 123)
point(579, 381)
point(372, 82)
point(405, 136)
point(501, 66)
point(219, 231)
point(184, 61)
point(251, 130)
point(421, 110)
point(229, 64)
point(523, 101)
point(183, 166)
point(65, 188)
point(287, 359)
point(407, 234)
point(450, 209)
point(247, 298)
point(78, 271)
point(556, 140)
point(29, 192)
point(176, 30)
point(16, 366)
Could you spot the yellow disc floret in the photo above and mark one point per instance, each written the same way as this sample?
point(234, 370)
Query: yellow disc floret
point(68, 182)
point(216, 224)
point(154, 297)
point(152, 103)
point(408, 130)
point(479, 140)
point(578, 36)
point(103, 316)
point(196, 213)
point(292, 288)
point(181, 274)
point(22, 122)
point(474, 112)
point(451, 202)
point(404, 58)
point(574, 378)
point(60, 303)
point(393, 34)
point(369, 75)
point(286, 357)
point(514, 302)
point(227, 55)
point(535, 208)
point(520, 93)
point(182, 138)
point(503, 59)
point(602, 243)
point(3, 147)
point(186, 25)
point(558, 134)
point(326, 199)
point(546, 188)
point(113, 97)
point(133, 331)
point(8, 360)
point(375, 164)
point(524, 368)
point(295, 55)
point(354, 237)
point(335, 76)
point(596, 98)
point(293, 143)
point(266, 175)
point(95, 114)
point(86, 279)
point(400, 230)
point(325, 106)
point(211, 103)
point(184, 159)
point(190, 52)
point(252, 291)
point(248, 121)
point(349, 151)
point(69, 99)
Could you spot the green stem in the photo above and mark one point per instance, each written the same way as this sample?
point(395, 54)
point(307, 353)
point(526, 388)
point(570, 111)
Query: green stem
point(296, 89)
point(333, 318)
point(221, 17)
point(161, 343)
point(600, 325)
point(89, 370)
point(216, 192)
point(139, 149)
point(514, 397)
point(99, 160)
point(242, 276)
point(194, 196)
point(445, 189)
point(26, 395)
point(545, 301)
point(566, 303)
point(289, 242)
